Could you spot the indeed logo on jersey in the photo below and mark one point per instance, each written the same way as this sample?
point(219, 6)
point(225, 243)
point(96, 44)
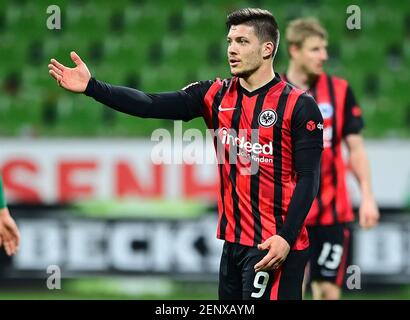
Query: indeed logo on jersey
point(255, 148)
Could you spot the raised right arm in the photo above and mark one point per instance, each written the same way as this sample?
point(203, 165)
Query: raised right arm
point(168, 105)
point(184, 104)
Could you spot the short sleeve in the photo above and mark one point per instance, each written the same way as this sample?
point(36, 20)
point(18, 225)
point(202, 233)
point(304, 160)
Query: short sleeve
point(307, 124)
point(353, 121)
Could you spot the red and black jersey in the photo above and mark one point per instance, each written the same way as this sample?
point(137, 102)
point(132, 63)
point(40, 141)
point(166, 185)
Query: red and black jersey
point(263, 127)
point(268, 143)
point(342, 116)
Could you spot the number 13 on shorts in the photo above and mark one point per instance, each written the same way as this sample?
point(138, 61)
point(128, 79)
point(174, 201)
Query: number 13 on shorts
point(330, 256)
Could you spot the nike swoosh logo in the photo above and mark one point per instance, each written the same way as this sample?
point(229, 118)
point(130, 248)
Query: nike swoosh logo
point(225, 109)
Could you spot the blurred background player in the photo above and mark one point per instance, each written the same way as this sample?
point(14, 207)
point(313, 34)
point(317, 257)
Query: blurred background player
point(331, 211)
point(9, 233)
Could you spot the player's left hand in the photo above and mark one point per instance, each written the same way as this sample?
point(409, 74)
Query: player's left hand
point(9, 233)
point(368, 213)
point(278, 251)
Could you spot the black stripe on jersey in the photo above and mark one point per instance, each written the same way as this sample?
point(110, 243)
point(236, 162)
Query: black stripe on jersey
point(277, 157)
point(319, 193)
point(334, 136)
point(257, 236)
point(220, 153)
point(236, 117)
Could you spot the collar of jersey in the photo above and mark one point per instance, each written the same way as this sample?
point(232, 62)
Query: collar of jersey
point(266, 87)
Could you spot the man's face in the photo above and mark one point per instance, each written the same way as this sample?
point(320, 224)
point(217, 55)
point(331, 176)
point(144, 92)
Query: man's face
point(312, 55)
point(244, 50)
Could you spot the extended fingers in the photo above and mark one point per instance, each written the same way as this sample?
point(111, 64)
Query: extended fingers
point(16, 238)
point(11, 240)
point(14, 234)
point(277, 264)
point(55, 76)
point(273, 264)
point(261, 265)
point(55, 69)
point(7, 248)
point(57, 64)
point(10, 246)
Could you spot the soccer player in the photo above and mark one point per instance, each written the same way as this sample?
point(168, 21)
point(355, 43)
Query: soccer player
point(9, 233)
point(331, 211)
point(265, 124)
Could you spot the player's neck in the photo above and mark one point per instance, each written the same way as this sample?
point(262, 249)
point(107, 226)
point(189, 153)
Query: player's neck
point(299, 77)
point(258, 79)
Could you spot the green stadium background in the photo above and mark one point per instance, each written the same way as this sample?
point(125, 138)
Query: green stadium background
point(164, 45)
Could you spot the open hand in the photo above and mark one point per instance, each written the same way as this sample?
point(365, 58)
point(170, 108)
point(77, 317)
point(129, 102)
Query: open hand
point(278, 251)
point(9, 233)
point(71, 79)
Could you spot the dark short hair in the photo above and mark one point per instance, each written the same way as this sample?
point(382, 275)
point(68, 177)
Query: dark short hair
point(263, 22)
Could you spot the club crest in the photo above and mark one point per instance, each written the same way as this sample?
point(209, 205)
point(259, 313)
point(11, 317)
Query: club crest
point(267, 118)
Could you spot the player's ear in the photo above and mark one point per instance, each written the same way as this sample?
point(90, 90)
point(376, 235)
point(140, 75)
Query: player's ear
point(268, 49)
